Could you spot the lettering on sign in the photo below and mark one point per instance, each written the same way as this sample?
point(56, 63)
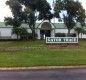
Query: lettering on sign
point(61, 39)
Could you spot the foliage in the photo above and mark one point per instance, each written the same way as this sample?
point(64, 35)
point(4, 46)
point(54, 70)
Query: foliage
point(30, 36)
point(23, 33)
point(84, 31)
point(44, 10)
point(28, 11)
point(16, 11)
point(73, 35)
point(20, 31)
point(15, 7)
point(71, 12)
point(79, 30)
point(60, 35)
point(12, 21)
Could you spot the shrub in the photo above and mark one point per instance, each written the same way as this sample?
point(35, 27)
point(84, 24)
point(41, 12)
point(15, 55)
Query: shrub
point(73, 35)
point(30, 35)
point(60, 35)
point(22, 32)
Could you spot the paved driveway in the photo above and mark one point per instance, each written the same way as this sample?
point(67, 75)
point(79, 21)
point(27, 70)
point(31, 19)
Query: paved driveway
point(45, 74)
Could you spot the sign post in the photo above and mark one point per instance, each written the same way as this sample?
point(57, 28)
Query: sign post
point(61, 39)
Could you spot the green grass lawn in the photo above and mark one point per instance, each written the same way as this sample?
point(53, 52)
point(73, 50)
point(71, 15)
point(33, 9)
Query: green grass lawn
point(40, 56)
point(82, 42)
point(22, 43)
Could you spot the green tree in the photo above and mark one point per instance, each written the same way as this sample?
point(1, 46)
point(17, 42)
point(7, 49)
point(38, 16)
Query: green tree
point(12, 21)
point(36, 9)
point(21, 32)
point(28, 11)
point(17, 31)
point(78, 30)
point(15, 6)
point(44, 10)
point(71, 12)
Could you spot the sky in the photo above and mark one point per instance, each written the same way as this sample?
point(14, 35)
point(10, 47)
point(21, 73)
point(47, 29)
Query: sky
point(6, 12)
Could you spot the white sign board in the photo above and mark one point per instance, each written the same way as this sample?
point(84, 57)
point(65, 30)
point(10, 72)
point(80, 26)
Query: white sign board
point(61, 39)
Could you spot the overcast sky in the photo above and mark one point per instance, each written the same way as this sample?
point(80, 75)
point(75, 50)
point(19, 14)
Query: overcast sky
point(5, 11)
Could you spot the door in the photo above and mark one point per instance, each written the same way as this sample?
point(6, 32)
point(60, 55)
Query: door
point(45, 33)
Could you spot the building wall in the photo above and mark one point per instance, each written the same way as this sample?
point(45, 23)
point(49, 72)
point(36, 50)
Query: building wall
point(82, 35)
point(63, 31)
point(7, 33)
point(29, 30)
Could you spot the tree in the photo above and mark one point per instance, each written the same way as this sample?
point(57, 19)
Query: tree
point(28, 11)
point(71, 12)
point(78, 30)
point(36, 9)
point(17, 31)
point(44, 10)
point(12, 21)
point(20, 31)
point(15, 6)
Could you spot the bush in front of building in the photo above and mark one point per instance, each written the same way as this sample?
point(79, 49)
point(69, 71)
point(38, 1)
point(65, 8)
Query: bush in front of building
point(30, 36)
point(73, 35)
point(23, 33)
point(60, 35)
point(20, 31)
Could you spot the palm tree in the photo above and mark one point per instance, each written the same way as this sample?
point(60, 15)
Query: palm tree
point(79, 30)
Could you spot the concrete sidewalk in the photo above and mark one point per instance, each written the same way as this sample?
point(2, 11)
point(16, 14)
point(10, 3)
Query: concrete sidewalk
point(41, 67)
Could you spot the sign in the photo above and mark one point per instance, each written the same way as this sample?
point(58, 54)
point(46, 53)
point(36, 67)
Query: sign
point(61, 39)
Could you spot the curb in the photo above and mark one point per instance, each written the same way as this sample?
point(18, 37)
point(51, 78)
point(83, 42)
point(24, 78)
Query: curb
point(40, 67)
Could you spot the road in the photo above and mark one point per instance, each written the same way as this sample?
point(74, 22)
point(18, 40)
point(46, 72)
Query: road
point(46, 74)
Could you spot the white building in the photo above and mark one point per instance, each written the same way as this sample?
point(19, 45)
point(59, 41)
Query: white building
point(42, 29)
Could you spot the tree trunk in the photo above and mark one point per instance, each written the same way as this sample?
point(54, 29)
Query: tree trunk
point(81, 35)
point(78, 36)
point(17, 36)
point(33, 33)
point(68, 35)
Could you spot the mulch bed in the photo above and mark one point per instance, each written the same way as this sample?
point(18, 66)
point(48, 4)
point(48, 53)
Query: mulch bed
point(65, 45)
point(47, 46)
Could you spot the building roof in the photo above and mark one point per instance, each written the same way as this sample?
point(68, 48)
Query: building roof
point(2, 25)
point(57, 25)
